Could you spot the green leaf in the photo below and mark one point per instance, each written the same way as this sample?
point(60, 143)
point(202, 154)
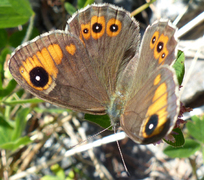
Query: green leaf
point(189, 148)
point(6, 130)
point(4, 3)
point(179, 139)
point(20, 123)
point(23, 101)
point(58, 171)
point(16, 144)
point(88, 2)
point(202, 150)
point(22, 7)
point(10, 87)
point(196, 128)
point(84, 3)
point(17, 37)
point(14, 13)
point(3, 37)
point(3, 55)
point(12, 21)
point(71, 175)
point(51, 110)
point(179, 66)
point(5, 7)
point(49, 177)
point(102, 120)
point(69, 8)
point(81, 3)
point(203, 153)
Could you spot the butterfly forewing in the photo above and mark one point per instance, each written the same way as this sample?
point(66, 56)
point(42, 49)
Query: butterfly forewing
point(104, 29)
point(63, 65)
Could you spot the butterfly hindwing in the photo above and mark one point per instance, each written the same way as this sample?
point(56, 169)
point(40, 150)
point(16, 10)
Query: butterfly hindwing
point(152, 112)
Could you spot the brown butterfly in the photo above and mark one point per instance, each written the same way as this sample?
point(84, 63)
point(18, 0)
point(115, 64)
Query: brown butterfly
point(98, 66)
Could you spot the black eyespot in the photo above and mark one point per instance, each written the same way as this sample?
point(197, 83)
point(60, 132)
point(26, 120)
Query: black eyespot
point(114, 28)
point(163, 55)
point(39, 76)
point(152, 124)
point(85, 31)
point(97, 27)
point(153, 40)
point(160, 47)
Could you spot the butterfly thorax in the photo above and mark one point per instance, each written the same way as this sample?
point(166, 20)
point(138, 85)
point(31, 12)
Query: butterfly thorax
point(115, 108)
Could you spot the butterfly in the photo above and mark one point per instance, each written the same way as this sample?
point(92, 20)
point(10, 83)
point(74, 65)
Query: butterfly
point(98, 65)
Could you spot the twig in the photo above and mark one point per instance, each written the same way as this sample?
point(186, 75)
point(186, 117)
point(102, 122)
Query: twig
point(29, 30)
point(190, 25)
point(73, 151)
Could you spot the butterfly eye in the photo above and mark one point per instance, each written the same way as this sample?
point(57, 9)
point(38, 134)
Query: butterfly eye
point(39, 77)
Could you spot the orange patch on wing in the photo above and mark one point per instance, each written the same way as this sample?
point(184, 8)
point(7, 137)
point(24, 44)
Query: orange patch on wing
point(86, 30)
point(157, 79)
point(111, 22)
point(46, 58)
point(164, 52)
point(154, 39)
point(71, 49)
point(55, 52)
point(100, 20)
point(158, 107)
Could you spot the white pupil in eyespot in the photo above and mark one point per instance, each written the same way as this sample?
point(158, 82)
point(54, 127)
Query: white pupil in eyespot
point(37, 78)
point(151, 126)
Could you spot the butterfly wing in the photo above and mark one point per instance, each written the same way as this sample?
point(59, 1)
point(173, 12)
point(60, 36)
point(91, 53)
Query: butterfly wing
point(79, 68)
point(152, 112)
point(150, 86)
point(56, 67)
point(160, 38)
point(157, 48)
point(111, 38)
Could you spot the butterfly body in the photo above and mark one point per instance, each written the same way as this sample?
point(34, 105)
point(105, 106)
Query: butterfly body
point(98, 66)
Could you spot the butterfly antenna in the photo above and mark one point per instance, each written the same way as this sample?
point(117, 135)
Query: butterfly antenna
point(121, 154)
point(114, 128)
point(86, 140)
